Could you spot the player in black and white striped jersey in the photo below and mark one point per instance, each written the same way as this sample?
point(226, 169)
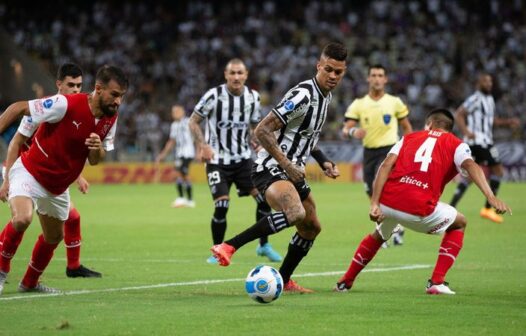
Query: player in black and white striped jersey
point(231, 111)
point(289, 134)
point(475, 119)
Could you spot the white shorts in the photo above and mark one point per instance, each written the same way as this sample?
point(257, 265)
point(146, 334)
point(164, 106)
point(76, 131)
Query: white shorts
point(22, 183)
point(436, 223)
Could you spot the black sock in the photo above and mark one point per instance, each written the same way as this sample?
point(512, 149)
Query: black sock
point(180, 188)
point(265, 226)
point(219, 221)
point(262, 210)
point(494, 184)
point(459, 192)
point(189, 190)
point(298, 249)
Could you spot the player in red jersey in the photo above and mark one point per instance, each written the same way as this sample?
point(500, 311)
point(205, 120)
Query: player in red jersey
point(418, 167)
point(69, 81)
point(73, 129)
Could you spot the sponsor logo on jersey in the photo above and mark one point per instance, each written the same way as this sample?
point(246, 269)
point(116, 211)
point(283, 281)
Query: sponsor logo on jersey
point(411, 180)
point(288, 105)
point(228, 124)
point(48, 103)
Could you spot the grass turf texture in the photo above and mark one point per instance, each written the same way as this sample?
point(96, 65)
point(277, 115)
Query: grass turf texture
point(134, 238)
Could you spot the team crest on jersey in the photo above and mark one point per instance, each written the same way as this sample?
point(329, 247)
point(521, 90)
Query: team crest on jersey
point(289, 105)
point(387, 119)
point(48, 103)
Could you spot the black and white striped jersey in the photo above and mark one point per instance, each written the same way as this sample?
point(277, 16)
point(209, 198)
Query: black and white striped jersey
point(184, 142)
point(228, 118)
point(303, 111)
point(480, 113)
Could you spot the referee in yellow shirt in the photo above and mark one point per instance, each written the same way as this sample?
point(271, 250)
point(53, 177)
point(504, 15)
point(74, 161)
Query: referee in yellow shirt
point(379, 115)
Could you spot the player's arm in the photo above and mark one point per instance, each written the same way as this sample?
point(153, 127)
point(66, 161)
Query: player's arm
point(96, 151)
point(329, 168)
point(13, 113)
point(167, 148)
point(375, 214)
point(83, 184)
point(405, 125)
point(477, 176)
point(351, 130)
point(512, 123)
point(254, 142)
point(13, 151)
point(460, 118)
point(206, 152)
point(265, 134)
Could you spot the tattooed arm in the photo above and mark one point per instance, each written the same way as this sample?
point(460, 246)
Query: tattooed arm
point(206, 152)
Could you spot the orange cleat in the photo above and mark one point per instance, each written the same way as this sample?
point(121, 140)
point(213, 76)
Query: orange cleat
point(292, 287)
point(223, 252)
point(491, 215)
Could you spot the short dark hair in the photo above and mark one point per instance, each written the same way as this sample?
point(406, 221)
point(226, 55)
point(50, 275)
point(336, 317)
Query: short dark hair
point(376, 66)
point(335, 50)
point(69, 69)
point(109, 72)
point(441, 118)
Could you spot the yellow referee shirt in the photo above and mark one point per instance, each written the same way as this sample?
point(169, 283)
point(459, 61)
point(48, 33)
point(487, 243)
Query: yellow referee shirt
point(379, 118)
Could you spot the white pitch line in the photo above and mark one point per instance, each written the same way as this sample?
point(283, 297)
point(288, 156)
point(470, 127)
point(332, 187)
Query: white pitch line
point(197, 282)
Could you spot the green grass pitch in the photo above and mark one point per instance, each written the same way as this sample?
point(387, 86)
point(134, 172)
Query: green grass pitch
point(156, 281)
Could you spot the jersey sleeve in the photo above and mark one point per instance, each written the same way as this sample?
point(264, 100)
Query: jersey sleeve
point(353, 112)
point(294, 104)
point(462, 153)
point(206, 104)
point(173, 130)
point(27, 127)
point(109, 140)
point(51, 109)
point(255, 116)
point(401, 110)
point(470, 104)
point(396, 148)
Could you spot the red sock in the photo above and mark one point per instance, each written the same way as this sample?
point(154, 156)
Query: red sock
point(72, 238)
point(12, 239)
point(2, 236)
point(448, 252)
point(42, 254)
point(364, 253)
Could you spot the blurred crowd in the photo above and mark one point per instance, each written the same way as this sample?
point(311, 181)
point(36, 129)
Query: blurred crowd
point(174, 51)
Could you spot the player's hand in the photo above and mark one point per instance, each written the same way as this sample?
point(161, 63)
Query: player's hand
point(83, 185)
point(4, 191)
point(296, 174)
point(207, 153)
point(376, 214)
point(359, 133)
point(500, 206)
point(93, 142)
point(331, 170)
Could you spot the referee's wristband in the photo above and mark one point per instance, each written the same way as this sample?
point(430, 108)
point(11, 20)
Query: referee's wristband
point(320, 157)
point(351, 131)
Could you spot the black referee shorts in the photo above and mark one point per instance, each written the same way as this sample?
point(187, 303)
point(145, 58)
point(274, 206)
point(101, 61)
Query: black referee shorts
point(372, 159)
point(486, 156)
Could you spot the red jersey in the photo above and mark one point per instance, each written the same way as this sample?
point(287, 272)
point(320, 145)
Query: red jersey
point(58, 153)
point(427, 161)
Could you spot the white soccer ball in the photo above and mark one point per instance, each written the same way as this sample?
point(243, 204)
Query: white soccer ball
point(264, 284)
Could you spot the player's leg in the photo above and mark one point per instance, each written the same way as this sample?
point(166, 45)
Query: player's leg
point(180, 201)
point(219, 187)
point(73, 242)
point(263, 210)
point(462, 186)
point(496, 173)
point(185, 170)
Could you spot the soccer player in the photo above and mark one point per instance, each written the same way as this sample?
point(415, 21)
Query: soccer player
point(418, 167)
point(289, 134)
point(379, 115)
point(73, 129)
point(479, 112)
point(69, 81)
point(231, 111)
point(181, 139)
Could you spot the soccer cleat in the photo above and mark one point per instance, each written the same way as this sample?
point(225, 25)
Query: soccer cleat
point(211, 260)
point(82, 272)
point(343, 285)
point(190, 204)
point(398, 238)
point(385, 244)
point(442, 288)
point(223, 252)
point(3, 278)
point(179, 202)
point(267, 251)
point(292, 287)
point(489, 213)
point(39, 288)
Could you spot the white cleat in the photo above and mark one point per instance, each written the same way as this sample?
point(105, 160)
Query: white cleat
point(190, 204)
point(179, 202)
point(437, 289)
point(39, 288)
point(3, 278)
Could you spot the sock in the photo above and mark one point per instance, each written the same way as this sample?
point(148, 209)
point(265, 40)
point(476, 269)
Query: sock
point(72, 238)
point(298, 249)
point(189, 190)
point(262, 210)
point(12, 239)
point(2, 236)
point(363, 255)
point(42, 254)
point(494, 184)
point(179, 184)
point(268, 225)
point(219, 221)
point(447, 254)
point(459, 192)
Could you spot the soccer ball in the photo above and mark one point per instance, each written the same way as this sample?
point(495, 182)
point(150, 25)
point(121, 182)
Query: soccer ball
point(264, 284)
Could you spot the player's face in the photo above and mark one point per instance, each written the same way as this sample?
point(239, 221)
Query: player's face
point(377, 79)
point(69, 85)
point(236, 75)
point(330, 73)
point(110, 97)
point(177, 113)
point(486, 84)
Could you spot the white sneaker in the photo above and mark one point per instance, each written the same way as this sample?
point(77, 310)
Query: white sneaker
point(190, 204)
point(179, 202)
point(442, 288)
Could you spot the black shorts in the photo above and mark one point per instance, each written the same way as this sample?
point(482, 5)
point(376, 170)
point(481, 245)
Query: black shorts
point(221, 177)
point(182, 165)
point(485, 156)
point(372, 159)
point(263, 179)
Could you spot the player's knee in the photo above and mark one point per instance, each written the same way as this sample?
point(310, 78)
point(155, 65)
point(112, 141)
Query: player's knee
point(460, 222)
point(295, 214)
point(74, 215)
point(21, 221)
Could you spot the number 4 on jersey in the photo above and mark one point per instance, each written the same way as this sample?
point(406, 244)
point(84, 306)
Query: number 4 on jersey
point(423, 154)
